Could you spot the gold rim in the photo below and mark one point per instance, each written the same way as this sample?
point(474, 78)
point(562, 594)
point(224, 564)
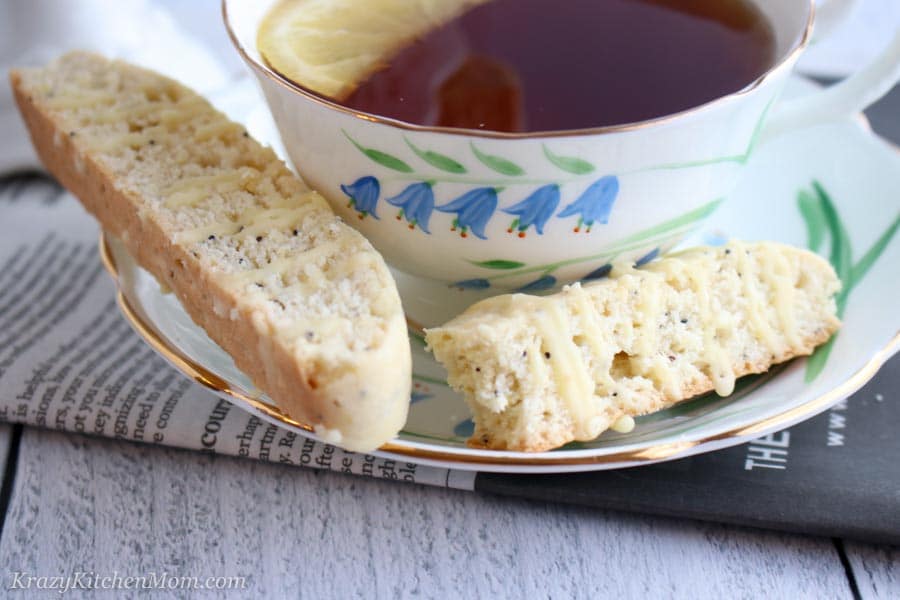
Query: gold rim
point(645, 455)
point(364, 116)
point(195, 371)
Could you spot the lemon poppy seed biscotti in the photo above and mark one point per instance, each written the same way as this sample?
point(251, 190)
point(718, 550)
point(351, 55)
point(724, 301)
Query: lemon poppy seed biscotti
point(301, 301)
point(539, 372)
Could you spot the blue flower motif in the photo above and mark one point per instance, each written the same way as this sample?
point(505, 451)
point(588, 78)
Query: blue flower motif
point(647, 258)
point(416, 203)
point(595, 204)
point(473, 284)
point(415, 396)
point(473, 211)
point(711, 238)
point(598, 273)
point(544, 283)
point(420, 392)
point(363, 195)
point(535, 210)
point(464, 428)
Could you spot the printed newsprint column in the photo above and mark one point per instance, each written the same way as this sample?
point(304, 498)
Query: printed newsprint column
point(69, 361)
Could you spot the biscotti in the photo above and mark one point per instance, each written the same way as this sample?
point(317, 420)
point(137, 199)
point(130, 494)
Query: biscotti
point(539, 372)
point(301, 301)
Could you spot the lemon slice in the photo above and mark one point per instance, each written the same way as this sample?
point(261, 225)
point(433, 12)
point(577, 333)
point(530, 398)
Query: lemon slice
point(330, 46)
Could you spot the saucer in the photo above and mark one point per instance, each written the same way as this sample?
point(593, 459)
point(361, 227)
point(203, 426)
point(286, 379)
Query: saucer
point(834, 188)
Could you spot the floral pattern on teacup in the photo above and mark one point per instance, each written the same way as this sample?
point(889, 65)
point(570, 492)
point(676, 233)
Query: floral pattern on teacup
point(473, 211)
point(416, 204)
point(535, 210)
point(594, 204)
point(363, 194)
point(476, 207)
point(599, 265)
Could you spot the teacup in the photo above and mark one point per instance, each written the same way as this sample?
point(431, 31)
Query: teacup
point(494, 212)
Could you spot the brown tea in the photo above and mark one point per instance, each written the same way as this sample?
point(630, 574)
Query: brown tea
point(543, 65)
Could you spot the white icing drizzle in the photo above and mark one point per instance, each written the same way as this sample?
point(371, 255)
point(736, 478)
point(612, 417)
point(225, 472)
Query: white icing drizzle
point(262, 220)
point(111, 143)
point(319, 330)
point(574, 383)
point(624, 424)
point(585, 385)
point(82, 99)
point(127, 114)
point(184, 111)
point(593, 334)
point(649, 312)
point(779, 274)
point(715, 356)
point(192, 236)
point(284, 266)
point(759, 325)
point(217, 129)
point(190, 191)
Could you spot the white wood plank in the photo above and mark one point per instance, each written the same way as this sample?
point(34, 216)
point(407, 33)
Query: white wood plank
point(876, 569)
point(83, 503)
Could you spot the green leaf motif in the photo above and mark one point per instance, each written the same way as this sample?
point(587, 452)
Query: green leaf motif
point(497, 163)
point(382, 158)
point(503, 265)
point(432, 380)
point(860, 269)
point(417, 337)
point(841, 256)
point(757, 131)
point(688, 218)
point(437, 160)
point(386, 160)
point(811, 209)
point(569, 164)
point(815, 364)
point(679, 225)
point(819, 211)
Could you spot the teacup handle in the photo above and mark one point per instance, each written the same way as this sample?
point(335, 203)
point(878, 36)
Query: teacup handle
point(846, 98)
point(830, 14)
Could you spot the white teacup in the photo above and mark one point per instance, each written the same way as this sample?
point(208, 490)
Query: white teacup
point(495, 212)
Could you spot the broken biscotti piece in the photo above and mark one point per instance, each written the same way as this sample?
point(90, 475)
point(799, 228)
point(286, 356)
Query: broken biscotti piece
point(539, 372)
point(303, 303)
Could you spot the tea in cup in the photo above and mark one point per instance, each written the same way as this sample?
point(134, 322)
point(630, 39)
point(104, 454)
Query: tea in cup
point(547, 191)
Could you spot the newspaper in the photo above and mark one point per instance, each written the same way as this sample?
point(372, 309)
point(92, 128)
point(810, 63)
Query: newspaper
point(69, 360)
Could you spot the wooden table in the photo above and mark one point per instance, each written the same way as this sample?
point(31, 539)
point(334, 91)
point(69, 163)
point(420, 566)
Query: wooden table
point(73, 503)
point(88, 504)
